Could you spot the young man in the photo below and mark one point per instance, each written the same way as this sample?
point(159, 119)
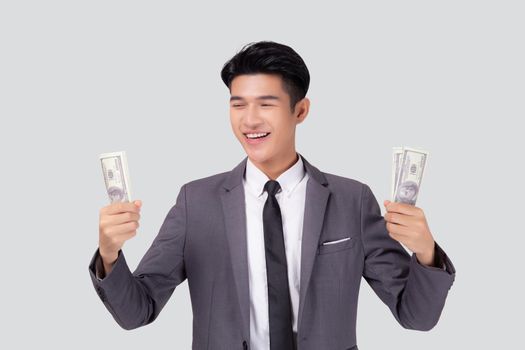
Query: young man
point(273, 250)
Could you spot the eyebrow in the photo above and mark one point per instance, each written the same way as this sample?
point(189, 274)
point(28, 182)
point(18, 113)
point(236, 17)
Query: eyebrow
point(263, 97)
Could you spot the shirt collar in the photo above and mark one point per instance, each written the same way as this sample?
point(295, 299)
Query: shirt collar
point(288, 180)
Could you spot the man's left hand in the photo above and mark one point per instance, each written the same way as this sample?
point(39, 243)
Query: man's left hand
point(407, 224)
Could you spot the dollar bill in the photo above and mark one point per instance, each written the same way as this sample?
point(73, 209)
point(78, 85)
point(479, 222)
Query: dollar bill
point(397, 153)
point(409, 169)
point(116, 176)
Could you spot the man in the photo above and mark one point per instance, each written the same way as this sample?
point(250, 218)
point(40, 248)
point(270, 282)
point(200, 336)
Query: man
point(274, 249)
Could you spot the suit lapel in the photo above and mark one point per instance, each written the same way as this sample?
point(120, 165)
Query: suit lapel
point(314, 211)
point(233, 205)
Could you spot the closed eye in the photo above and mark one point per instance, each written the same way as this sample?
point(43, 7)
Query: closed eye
point(264, 105)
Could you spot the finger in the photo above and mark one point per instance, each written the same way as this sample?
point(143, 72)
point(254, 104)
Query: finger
point(121, 218)
point(395, 218)
point(126, 236)
point(402, 208)
point(131, 230)
point(396, 229)
point(122, 228)
point(400, 219)
point(392, 232)
point(396, 237)
point(121, 207)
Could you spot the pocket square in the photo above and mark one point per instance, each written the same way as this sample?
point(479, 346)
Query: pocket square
point(337, 241)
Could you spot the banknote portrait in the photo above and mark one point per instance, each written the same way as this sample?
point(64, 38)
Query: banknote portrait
point(407, 192)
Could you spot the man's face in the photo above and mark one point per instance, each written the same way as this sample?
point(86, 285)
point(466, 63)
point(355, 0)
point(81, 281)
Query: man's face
point(259, 104)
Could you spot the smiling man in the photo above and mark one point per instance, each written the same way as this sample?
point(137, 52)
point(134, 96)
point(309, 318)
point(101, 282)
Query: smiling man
point(274, 250)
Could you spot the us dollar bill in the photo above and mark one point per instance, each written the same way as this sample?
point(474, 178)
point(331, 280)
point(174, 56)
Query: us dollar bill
point(116, 176)
point(397, 153)
point(408, 174)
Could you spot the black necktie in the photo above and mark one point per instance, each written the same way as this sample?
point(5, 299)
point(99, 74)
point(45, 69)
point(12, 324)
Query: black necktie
point(279, 304)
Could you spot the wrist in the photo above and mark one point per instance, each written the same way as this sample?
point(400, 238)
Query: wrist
point(108, 258)
point(428, 260)
point(427, 257)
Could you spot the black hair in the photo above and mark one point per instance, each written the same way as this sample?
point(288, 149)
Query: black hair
point(271, 58)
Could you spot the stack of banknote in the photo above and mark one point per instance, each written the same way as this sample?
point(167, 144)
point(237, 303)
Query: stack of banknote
point(116, 176)
point(408, 165)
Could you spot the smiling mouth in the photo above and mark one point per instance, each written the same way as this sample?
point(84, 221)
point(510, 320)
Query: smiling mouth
point(255, 136)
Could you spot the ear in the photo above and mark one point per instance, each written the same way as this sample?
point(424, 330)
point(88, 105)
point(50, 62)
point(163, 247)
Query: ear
point(301, 109)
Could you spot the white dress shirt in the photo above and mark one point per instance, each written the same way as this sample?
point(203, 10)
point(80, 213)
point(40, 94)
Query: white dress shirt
point(291, 201)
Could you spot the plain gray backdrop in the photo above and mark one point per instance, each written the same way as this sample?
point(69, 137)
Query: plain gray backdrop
point(79, 78)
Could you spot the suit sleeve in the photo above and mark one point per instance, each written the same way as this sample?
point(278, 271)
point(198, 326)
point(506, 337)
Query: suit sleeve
point(415, 293)
point(136, 299)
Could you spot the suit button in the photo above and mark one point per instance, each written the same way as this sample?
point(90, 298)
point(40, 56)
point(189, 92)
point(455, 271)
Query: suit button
point(244, 345)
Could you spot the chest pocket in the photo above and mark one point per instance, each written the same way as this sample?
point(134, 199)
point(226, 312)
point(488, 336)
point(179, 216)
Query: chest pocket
point(337, 245)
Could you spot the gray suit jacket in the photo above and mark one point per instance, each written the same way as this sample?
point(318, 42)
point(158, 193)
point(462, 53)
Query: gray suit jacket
point(203, 239)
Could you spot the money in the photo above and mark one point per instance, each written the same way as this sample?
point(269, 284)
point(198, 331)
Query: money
point(116, 176)
point(408, 165)
point(397, 153)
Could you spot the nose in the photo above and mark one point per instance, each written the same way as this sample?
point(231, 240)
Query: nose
point(251, 117)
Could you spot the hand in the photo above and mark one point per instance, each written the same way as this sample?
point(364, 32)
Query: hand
point(407, 224)
point(118, 222)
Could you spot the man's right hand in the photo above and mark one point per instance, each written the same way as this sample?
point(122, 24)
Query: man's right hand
point(118, 222)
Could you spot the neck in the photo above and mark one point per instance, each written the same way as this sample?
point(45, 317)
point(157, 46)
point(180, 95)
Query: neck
point(275, 167)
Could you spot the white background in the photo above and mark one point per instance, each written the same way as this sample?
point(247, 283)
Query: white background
point(79, 78)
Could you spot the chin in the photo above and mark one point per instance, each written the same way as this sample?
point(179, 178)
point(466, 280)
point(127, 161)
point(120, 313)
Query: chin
point(257, 156)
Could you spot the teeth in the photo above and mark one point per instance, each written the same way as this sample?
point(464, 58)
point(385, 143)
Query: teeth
point(251, 136)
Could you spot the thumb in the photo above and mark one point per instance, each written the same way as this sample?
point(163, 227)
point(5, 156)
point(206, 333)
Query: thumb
point(138, 203)
point(386, 202)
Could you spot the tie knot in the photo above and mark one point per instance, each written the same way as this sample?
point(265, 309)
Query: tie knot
point(272, 187)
